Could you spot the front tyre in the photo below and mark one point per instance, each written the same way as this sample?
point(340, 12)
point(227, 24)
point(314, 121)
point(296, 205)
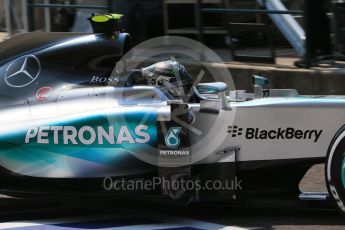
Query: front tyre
point(335, 170)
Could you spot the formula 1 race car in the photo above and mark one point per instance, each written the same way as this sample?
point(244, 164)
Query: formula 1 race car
point(69, 126)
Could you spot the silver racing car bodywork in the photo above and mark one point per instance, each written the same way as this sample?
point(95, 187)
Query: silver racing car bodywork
point(66, 125)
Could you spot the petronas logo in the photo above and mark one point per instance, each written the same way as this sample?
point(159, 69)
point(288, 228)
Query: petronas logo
point(172, 139)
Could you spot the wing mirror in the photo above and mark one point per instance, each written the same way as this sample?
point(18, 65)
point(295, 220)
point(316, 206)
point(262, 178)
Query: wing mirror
point(219, 88)
point(211, 88)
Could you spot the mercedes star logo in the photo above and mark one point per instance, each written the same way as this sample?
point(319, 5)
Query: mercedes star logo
point(23, 71)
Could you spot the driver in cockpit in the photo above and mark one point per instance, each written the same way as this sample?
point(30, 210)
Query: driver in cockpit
point(170, 77)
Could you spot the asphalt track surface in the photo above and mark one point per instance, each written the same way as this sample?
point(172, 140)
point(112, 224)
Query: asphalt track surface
point(23, 214)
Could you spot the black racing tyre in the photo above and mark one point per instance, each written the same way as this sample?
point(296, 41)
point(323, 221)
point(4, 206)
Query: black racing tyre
point(335, 171)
